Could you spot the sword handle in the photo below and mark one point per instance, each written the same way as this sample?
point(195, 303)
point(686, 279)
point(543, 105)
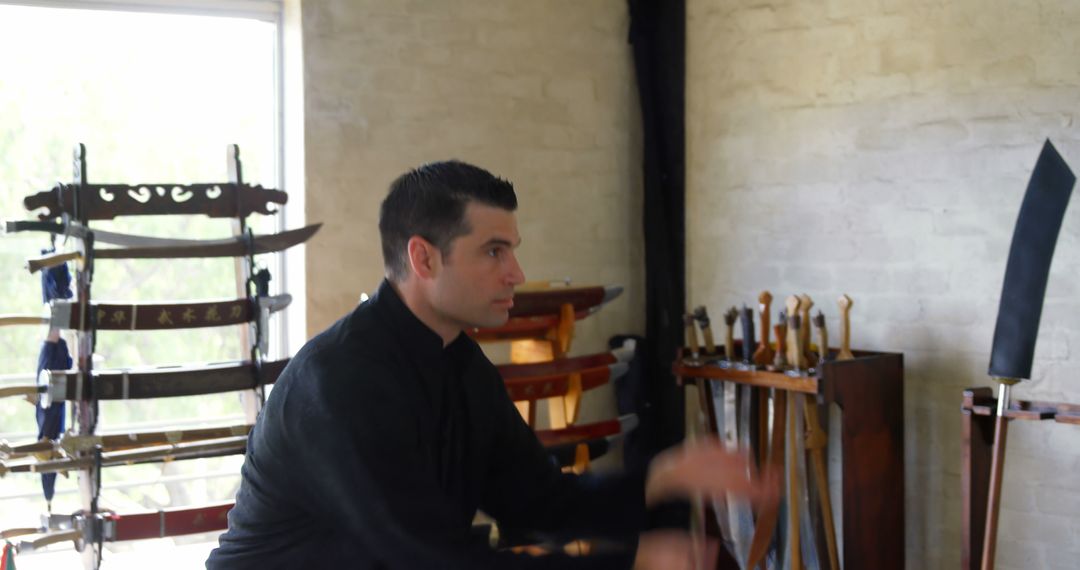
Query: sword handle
point(997, 472)
point(780, 360)
point(805, 303)
point(12, 320)
point(13, 532)
point(845, 303)
point(764, 354)
point(748, 341)
point(26, 391)
point(8, 451)
point(823, 338)
point(48, 261)
point(701, 315)
point(730, 317)
point(794, 356)
point(691, 335)
point(53, 538)
point(796, 359)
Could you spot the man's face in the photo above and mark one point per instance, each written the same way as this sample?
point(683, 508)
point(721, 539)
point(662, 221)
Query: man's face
point(475, 284)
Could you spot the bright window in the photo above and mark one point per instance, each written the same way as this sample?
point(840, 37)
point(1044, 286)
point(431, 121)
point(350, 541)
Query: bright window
point(155, 97)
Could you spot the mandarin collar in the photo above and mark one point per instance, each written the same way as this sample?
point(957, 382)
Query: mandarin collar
point(425, 342)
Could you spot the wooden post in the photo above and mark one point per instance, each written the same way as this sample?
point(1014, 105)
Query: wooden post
point(86, 413)
point(251, 400)
point(978, 440)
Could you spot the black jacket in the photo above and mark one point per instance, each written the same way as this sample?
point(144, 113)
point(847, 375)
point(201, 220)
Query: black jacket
point(377, 446)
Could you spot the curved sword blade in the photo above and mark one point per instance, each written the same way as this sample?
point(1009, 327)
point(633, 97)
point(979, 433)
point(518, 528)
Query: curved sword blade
point(1028, 268)
point(233, 247)
point(123, 239)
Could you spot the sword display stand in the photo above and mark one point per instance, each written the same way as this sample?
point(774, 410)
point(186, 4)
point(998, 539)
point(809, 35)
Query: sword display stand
point(869, 391)
point(540, 332)
point(1012, 355)
point(979, 413)
point(541, 329)
point(79, 204)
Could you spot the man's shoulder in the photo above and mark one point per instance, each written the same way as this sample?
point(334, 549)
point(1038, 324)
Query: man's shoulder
point(356, 336)
point(352, 354)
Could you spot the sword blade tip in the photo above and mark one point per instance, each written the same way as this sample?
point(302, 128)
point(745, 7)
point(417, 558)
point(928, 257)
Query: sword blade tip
point(611, 292)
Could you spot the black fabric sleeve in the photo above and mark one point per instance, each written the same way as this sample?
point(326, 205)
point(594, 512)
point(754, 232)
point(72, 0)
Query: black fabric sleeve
point(529, 492)
point(358, 464)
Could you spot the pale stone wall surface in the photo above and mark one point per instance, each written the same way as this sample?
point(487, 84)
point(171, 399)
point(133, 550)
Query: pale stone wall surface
point(541, 93)
point(881, 148)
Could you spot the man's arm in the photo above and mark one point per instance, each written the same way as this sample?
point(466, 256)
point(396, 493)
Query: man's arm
point(529, 492)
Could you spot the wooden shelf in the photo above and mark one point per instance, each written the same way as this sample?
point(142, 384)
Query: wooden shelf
point(757, 378)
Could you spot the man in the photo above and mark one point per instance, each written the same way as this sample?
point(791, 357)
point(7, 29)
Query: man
point(388, 431)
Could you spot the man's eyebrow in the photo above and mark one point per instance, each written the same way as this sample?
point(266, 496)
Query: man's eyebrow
point(501, 241)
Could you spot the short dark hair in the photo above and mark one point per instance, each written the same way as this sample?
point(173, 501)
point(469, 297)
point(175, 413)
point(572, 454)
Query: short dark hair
point(430, 202)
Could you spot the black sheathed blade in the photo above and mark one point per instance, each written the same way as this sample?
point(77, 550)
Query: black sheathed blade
point(749, 345)
point(1028, 269)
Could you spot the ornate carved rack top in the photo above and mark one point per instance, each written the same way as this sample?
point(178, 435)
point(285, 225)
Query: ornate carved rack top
point(107, 201)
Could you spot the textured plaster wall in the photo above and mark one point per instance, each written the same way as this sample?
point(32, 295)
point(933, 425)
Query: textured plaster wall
point(881, 148)
point(541, 93)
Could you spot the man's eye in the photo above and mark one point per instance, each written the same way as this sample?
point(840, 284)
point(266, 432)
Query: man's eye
point(493, 252)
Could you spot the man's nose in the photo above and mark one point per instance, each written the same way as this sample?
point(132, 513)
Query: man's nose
point(516, 276)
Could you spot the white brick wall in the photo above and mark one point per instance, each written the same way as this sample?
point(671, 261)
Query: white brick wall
point(881, 148)
point(540, 93)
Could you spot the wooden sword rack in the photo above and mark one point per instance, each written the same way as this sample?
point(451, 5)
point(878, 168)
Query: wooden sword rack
point(868, 389)
point(979, 411)
point(83, 449)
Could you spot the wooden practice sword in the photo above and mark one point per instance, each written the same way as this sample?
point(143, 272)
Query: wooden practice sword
point(845, 303)
point(764, 354)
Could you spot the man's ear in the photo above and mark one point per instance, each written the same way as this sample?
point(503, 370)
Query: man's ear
point(424, 258)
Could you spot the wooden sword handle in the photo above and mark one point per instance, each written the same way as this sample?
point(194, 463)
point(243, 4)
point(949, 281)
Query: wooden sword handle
point(48, 261)
point(805, 303)
point(52, 538)
point(793, 356)
point(764, 354)
point(13, 532)
point(844, 302)
point(12, 320)
point(27, 391)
